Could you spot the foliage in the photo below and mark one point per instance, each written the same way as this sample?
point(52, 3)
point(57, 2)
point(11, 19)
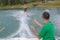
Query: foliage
point(14, 2)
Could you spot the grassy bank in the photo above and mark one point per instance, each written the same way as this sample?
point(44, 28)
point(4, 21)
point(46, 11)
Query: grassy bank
point(30, 5)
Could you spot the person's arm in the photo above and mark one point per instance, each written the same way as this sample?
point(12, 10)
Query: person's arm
point(36, 22)
point(35, 32)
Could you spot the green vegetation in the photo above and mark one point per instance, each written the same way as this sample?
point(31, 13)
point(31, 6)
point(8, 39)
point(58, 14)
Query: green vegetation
point(52, 4)
point(14, 2)
point(17, 4)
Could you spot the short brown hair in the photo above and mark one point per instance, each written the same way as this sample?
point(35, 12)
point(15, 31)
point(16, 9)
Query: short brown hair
point(46, 15)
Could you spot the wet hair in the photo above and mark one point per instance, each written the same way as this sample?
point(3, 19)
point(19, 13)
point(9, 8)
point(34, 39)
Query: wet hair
point(46, 15)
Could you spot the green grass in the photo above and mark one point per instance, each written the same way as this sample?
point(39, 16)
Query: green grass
point(54, 4)
point(30, 5)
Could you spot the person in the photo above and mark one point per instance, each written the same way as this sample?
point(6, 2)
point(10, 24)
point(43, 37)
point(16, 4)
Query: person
point(25, 8)
point(47, 30)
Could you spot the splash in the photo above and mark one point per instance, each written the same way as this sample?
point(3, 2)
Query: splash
point(24, 27)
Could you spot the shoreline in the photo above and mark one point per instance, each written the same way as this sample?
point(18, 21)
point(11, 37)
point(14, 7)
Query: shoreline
point(30, 8)
point(31, 5)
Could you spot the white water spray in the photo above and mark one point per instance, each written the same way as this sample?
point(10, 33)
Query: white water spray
point(24, 27)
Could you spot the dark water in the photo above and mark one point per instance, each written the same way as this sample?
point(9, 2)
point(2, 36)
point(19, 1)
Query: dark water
point(11, 24)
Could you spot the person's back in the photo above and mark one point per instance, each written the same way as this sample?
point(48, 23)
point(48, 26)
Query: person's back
point(49, 35)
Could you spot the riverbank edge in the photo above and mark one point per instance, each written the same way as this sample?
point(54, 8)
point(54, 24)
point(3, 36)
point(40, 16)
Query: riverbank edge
point(31, 5)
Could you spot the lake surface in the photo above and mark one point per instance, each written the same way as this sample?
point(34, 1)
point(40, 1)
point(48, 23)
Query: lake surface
point(15, 24)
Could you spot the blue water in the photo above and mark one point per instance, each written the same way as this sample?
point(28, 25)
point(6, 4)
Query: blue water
point(10, 21)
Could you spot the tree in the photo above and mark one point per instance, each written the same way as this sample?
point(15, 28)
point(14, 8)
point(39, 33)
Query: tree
point(13, 2)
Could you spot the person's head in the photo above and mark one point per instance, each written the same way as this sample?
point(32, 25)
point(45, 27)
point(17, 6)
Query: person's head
point(46, 16)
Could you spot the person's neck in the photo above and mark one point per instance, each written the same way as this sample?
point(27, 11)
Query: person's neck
point(46, 21)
